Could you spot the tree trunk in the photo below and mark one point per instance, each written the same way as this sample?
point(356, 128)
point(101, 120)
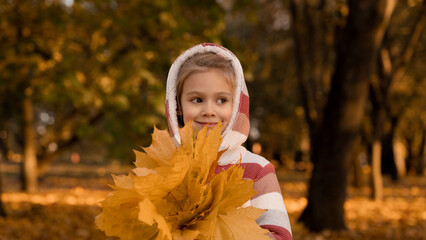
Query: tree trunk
point(421, 157)
point(390, 71)
point(358, 179)
point(3, 156)
point(30, 159)
point(378, 118)
point(355, 62)
point(376, 171)
point(388, 156)
point(3, 148)
point(2, 211)
point(409, 160)
point(312, 60)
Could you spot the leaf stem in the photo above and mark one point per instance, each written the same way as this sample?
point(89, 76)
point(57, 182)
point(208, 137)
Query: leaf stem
point(176, 201)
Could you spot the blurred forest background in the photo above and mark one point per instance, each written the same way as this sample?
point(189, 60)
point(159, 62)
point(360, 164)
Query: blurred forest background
point(337, 103)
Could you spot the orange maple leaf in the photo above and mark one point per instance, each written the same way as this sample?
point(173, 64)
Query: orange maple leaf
point(173, 193)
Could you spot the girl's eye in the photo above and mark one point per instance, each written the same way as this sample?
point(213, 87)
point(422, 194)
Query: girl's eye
point(196, 100)
point(222, 100)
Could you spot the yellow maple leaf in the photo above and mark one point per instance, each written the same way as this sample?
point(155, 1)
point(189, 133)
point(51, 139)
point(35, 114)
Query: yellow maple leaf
point(228, 228)
point(173, 193)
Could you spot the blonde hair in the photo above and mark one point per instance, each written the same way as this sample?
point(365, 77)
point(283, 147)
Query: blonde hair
point(202, 62)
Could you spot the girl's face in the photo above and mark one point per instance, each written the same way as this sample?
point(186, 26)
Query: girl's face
point(207, 99)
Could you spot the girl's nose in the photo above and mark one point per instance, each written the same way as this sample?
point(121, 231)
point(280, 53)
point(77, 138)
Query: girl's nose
point(209, 109)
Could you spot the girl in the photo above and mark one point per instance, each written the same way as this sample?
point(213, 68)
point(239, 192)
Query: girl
point(206, 85)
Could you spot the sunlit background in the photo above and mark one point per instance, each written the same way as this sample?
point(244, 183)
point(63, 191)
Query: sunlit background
point(82, 84)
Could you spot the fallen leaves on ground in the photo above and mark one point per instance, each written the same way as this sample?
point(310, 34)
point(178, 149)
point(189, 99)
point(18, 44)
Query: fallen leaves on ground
point(32, 221)
point(61, 212)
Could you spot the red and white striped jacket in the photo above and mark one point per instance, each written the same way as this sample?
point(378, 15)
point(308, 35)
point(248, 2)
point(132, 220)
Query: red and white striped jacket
point(257, 168)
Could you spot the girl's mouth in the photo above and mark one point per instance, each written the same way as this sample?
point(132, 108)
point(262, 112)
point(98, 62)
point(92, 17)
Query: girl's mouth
point(210, 124)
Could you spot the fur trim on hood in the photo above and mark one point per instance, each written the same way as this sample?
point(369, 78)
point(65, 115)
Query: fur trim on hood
point(237, 131)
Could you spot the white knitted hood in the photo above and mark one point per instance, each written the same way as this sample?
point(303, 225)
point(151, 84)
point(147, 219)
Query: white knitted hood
point(238, 128)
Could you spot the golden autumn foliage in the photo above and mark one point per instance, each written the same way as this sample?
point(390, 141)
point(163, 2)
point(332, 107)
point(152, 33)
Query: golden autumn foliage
point(173, 193)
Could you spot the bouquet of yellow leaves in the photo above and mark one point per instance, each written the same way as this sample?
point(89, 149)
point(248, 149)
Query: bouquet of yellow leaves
point(174, 193)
